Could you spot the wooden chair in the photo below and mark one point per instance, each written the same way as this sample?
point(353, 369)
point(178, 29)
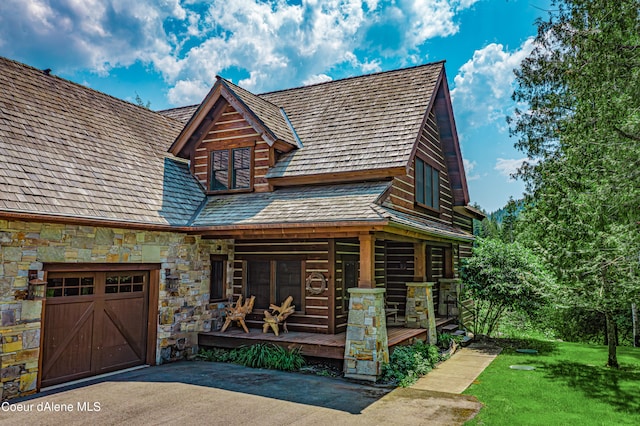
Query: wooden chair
point(238, 312)
point(278, 315)
point(391, 310)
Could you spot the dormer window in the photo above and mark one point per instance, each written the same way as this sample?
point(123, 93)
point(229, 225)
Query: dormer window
point(427, 185)
point(230, 169)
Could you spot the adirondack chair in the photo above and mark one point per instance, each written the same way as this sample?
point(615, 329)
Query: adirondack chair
point(238, 312)
point(278, 315)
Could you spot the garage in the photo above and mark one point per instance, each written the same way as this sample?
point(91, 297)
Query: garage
point(94, 322)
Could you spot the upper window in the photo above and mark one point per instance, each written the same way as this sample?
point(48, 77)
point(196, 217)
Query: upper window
point(230, 169)
point(427, 185)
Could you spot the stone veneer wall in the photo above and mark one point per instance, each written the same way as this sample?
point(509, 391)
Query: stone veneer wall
point(420, 311)
point(29, 245)
point(366, 346)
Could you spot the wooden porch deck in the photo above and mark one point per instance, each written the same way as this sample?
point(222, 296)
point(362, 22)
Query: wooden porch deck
point(311, 344)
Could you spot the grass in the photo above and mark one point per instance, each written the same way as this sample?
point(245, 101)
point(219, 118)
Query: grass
point(570, 386)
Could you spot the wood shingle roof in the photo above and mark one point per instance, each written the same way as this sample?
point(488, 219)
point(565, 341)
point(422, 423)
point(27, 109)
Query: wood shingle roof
point(361, 123)
point(356, 124)
point(67, 150)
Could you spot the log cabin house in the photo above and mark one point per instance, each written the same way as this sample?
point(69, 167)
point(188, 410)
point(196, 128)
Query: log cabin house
point(124, 232)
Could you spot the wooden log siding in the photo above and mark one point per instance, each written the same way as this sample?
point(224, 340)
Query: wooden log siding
point(315, 254)
point(402, 194)
point(349, 248)
point(466, 224)
point(400, 271)
point(231, 130)
point(437, 271)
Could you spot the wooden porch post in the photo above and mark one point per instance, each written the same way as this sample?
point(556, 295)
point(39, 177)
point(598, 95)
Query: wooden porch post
point(420, 262)
point(367, 261)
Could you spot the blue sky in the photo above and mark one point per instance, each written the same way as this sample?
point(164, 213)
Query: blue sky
point(169, 51)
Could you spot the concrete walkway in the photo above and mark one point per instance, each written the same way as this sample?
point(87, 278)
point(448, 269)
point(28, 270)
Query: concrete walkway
point(458, 372)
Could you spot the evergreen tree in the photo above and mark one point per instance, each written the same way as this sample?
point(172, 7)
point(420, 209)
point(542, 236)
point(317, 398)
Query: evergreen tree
point(581, 85)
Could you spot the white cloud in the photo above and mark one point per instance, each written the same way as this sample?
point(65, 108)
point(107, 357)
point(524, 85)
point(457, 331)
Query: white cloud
point(484, 84)
point(186, 92)
point(315, 79)
point(434, 18)
point(509, 166)
point(469, 166)
point(276, 44)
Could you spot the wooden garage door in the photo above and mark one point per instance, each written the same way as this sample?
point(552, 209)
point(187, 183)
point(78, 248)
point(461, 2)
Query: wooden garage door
point(95, 322)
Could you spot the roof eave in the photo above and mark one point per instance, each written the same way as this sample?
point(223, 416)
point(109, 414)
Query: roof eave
point(284, 229)
point(430, 233)
point(469, 212)
point(247, 113)
point(196, 119)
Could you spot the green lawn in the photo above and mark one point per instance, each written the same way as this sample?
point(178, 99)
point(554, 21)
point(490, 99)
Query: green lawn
point(570, 386)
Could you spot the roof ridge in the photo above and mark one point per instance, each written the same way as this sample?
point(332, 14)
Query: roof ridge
point(227, 81)
point(160, 111)
point(353, 77)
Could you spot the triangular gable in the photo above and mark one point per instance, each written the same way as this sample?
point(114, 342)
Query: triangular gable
point(268, 120)
point(441, 106)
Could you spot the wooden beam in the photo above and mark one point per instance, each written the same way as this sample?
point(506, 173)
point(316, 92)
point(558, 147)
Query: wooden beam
point(448, 263)
point(339, 177)
point(419, 262)
point(367, 261)
point(331, 303)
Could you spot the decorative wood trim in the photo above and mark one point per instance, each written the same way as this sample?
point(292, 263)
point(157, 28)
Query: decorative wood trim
point(99, 267)
point(152, 322)
point(265, 133)
point(200, 123)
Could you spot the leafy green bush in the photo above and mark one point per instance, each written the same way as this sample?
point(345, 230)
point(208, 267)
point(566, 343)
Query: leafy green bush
point(502, 277)
point(408, 363)
point(260, 355)
point(214, 355)
point(445, 339)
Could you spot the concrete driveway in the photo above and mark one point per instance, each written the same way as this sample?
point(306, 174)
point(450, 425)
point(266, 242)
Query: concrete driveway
point(226, 394)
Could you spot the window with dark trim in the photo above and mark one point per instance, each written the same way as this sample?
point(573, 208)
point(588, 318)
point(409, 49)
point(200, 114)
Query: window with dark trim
point(230, 169)
point(218, 278)
point(272, 281)
point(427, 185)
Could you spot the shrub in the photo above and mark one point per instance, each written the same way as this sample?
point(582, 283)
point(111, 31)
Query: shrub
point(445, 339)
point(257, 356)
point(503, 277)
point(408, 363)
point(214, 355)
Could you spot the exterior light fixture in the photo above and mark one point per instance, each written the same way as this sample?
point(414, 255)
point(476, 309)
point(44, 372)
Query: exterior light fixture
point(37, 286)
point(171, 281)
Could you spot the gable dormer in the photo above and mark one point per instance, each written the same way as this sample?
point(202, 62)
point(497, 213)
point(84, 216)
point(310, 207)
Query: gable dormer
point(233, 138)
point(435, 183)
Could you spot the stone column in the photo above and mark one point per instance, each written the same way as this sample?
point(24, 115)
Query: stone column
point(419, 311)
point(449, 293)
point(366, 347)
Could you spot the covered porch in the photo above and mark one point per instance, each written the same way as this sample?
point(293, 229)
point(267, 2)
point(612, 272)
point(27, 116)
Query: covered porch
point(328, 346)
